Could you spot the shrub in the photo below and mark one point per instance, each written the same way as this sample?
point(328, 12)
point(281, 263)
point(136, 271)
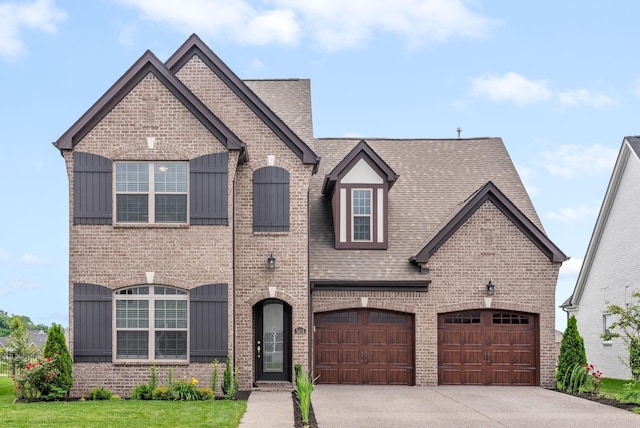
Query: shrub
point(206, 393)
point(627, 327)
point(230, 380)
point(572, 354)
point(582, 378)
point(56, 348)
point(161, 393)
point(183, 390)
point(141, 392)
point(214, 375)
point(100, 394)
point(37, 381)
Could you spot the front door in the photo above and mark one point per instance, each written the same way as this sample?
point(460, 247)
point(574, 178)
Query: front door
point(273, 340)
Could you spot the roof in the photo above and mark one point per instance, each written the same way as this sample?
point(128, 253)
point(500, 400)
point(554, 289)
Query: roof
point(195, 46)
point(148, 63)
point(436, 177)
point(630, 148)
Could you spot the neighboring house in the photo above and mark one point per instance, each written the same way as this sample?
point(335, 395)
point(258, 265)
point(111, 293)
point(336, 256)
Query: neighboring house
point(609, 273)
point(37, 340)
point(206, 221)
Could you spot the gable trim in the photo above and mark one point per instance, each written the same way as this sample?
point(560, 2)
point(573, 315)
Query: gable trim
point(147, 63)
point(195, 46)
point(360, 151)
point(490, 192)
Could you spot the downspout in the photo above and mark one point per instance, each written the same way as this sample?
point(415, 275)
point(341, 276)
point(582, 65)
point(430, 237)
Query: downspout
point(233, 263)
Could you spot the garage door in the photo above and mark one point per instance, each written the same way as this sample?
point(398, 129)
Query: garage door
point(488, 347)
point(364, 346)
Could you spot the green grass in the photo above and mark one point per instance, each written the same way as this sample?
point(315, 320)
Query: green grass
point(118, 413)
point(615, 387)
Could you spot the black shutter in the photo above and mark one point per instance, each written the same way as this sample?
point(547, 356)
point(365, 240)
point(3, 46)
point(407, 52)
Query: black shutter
point(91, 189)
point(91, 323)
point(271, 200)
point(209, 189)
point(208, 322)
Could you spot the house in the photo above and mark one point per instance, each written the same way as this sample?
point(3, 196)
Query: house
point(206, 221)
point(37, 340)
point(609, 272)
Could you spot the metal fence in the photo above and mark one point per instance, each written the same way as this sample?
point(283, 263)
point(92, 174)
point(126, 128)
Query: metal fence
point(11, 365)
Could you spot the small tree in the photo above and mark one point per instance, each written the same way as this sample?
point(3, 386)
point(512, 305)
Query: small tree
point(572, 352)
point(19, 338)
point(56, 347)
point(628, 328)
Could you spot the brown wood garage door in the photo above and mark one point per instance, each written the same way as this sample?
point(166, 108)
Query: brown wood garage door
point(364, 346)
point(488, 347)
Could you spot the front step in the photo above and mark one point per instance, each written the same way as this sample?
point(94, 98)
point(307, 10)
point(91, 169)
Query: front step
point(272, 386)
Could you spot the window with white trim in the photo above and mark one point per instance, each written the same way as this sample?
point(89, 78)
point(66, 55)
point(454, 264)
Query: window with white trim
point(361, 223)
point(607, 320)
point(151, 323)
point(151, 192)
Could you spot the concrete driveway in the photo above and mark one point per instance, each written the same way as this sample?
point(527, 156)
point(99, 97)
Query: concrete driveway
point(460, 406)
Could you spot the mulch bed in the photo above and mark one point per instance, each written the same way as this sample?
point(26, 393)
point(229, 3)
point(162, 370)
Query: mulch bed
point(297, 415)
point(602, 400)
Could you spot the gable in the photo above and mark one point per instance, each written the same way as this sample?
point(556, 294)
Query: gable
point(194, 47)
point(146, 65)
point(489, 192)
point(362, 172)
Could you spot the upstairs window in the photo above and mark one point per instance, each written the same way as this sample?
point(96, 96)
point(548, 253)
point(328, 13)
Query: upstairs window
point(361, 215)
point(151, 192)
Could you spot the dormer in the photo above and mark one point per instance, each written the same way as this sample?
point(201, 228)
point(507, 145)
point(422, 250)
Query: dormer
point(358, 188)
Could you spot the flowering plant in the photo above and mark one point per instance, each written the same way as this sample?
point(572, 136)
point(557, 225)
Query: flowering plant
point(594, 376)
point(36, 381)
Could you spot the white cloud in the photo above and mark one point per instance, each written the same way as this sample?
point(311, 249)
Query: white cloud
point(332, 24)
point(511, 87)
point(41, 15)
point(573, 215)
point(585, 97)
point(32, 259)
point(571, 267)
point(572, 160)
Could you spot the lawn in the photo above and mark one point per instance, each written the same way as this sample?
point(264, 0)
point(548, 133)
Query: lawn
point(615, 388)
point(118, 413)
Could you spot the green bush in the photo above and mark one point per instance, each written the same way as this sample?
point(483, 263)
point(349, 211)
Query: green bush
point(183, 390)
point(206, 393)
point(161, 393)
point(37, 382)
point(100, 394)
point(230, 380)
point(215, 365)
point(56, 348)
point(142, 392)
point(572, 354)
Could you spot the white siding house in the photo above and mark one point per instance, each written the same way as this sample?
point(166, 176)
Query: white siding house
point(610, 273)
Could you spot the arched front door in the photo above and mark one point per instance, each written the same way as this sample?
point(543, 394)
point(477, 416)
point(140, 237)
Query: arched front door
point(272, 340)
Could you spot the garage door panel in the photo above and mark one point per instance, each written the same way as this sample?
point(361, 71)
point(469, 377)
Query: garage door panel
point(329, 337)
point(374, 347)
point(488, 347)
point(328, 375)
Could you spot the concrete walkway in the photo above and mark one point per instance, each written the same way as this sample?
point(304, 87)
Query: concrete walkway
point(268, 409)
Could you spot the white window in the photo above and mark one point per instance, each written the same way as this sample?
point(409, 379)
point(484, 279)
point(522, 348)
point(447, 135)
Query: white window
point(361, 223)
point(607, 320)
point(151, 323)
point(151, 192)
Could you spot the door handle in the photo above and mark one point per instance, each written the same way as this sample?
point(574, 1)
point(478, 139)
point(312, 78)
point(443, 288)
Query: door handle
point(258, 349)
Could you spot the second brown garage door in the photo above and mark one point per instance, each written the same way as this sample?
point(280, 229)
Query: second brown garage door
point(488, 347)
point(364, 346)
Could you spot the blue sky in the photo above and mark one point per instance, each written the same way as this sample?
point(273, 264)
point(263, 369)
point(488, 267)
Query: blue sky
point(558, 81)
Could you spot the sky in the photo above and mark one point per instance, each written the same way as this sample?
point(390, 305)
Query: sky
point(558, 81)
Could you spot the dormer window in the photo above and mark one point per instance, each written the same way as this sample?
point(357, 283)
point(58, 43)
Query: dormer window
point(358, 187)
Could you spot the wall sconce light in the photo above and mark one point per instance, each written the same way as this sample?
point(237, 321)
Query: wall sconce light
point(491, 288)
point(271, 262)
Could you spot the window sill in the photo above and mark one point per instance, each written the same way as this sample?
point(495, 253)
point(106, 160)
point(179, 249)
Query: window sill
point(148, 363)
point(151, 226)
point(271, 233)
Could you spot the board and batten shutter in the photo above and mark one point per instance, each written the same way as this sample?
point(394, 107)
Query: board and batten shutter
point(92, 194)
point(209, 189)
point(271, 199)
point(208, 322)
point(92, 305)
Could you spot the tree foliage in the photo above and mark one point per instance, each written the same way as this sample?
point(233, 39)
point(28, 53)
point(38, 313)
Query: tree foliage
point(627, 326)
point(56, 347)
point(18, 340)
point(572, 352)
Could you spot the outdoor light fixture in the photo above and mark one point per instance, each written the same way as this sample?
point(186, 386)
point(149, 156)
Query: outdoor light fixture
point(491, 288)
point(271, 262)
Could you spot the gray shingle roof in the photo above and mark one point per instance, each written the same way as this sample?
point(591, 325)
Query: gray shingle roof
point(435, 176)
point(634, 142)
